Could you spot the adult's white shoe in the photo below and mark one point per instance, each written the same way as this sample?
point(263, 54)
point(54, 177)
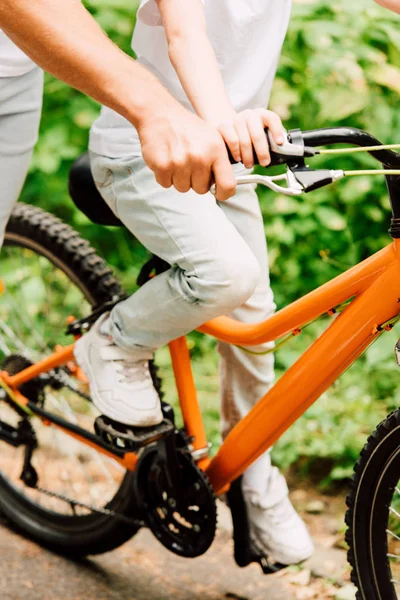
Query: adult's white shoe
point(120, 382)
point(275, 527)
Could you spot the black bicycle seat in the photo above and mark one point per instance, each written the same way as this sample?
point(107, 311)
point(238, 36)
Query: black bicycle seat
point(86, 196)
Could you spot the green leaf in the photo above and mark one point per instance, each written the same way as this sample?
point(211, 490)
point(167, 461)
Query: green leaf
point(330, 218)
point(339, 103)
point(387, 76)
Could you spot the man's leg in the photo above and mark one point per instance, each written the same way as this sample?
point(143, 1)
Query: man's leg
point(20, 110)
point(245, 378)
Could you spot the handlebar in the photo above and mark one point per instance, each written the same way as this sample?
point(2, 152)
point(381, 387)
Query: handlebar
point(300, 178)
point(303, 143)
point(349, 135)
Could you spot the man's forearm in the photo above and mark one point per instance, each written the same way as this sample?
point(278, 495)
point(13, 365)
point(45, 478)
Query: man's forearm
point(63, 38)
point(391, 4)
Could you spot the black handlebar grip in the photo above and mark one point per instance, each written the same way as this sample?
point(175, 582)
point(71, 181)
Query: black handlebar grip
point(276, 159)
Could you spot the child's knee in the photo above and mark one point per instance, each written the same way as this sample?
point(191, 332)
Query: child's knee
point(228, 281)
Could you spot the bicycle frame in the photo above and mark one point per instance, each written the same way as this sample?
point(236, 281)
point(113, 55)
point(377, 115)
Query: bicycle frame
point(374, 289)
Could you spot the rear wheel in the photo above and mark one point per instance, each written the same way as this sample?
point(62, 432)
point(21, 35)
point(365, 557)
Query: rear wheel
point(83, 502)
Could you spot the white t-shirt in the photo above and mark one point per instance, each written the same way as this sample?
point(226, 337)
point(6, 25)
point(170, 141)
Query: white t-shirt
point(13, 61)
point(247, 37)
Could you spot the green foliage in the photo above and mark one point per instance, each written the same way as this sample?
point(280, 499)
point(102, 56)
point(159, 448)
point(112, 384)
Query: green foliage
point(67, 117)
point(340, 66)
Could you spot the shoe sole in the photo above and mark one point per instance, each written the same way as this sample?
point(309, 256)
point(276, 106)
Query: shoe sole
point(300, 557)
point(103, 407)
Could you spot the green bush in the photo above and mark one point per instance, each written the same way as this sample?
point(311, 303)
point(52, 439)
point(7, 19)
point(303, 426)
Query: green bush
point(340, 66)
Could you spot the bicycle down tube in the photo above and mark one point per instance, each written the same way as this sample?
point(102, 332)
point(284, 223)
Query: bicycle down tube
point(375, 282)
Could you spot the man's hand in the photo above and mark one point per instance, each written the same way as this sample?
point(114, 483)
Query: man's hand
point(186, 152)
point(391, 4)
point(246, 130)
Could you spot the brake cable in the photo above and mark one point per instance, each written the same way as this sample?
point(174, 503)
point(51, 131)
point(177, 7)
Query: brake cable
point(357, 149)
point(372, 172)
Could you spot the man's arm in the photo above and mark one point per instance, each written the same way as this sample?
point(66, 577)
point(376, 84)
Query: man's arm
point(391, 4)
point(63, 38)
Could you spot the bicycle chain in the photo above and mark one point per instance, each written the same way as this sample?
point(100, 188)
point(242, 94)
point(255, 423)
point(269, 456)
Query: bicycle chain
point(97, 509)
point(62, 378)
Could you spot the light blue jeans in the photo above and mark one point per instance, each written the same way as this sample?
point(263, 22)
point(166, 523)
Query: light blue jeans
point(219, 261)
point(20, 110)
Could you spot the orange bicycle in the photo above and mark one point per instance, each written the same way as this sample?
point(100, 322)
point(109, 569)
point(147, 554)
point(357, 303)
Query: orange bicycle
point(84, 491)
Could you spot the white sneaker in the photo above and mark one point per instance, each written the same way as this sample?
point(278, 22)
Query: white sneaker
point(276, 528)
point(120, 382)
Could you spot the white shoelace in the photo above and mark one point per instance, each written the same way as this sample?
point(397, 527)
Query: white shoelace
point(131, 368)
point(132, 372)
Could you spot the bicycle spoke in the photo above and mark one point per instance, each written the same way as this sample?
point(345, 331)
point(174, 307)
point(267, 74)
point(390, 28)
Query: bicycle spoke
point(393, 534)
point(394, 512)
point(32, 322)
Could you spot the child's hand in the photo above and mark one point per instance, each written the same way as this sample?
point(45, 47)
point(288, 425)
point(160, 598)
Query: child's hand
point(246, 131)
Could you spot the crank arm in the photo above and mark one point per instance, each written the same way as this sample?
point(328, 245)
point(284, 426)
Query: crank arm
point(245, 551)
point(167, 451)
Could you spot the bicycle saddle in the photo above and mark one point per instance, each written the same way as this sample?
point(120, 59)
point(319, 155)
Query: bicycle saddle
point(85, 195)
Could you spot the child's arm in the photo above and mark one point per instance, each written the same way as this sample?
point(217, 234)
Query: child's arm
point(391, 4)
point(196, 65)
point(62, 37)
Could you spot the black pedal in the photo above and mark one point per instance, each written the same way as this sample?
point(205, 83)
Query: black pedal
point(129, 437)
point(245, 551)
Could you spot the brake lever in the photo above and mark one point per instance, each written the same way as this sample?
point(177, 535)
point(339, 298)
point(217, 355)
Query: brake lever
point(294, 188)
point(288, 151)
point(287, 148)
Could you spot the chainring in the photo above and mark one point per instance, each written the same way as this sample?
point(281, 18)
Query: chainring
point(185, 525)
point(33, 389)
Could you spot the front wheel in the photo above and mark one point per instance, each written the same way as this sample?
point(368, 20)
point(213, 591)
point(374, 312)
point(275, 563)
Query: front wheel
point(373, 515)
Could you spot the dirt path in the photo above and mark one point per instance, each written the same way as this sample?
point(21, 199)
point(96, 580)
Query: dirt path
point(140, 570)
point(143, 570)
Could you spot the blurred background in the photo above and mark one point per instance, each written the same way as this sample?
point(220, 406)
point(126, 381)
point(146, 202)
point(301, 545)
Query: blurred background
point(340, 66)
